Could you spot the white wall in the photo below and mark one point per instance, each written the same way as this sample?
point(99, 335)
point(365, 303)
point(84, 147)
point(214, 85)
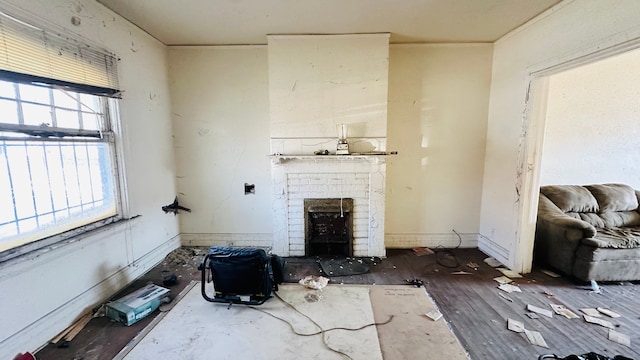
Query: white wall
point(220, 103)
point(592, 130)
point(568, 31)
point(438, 103)
point(44, 292)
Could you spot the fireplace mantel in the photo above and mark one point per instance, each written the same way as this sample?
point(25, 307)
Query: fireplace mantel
point(376, 158)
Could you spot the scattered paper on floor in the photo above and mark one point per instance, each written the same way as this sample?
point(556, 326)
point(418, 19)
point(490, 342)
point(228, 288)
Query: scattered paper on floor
point(509, 288)
point(492, 262)
point(434, 315)
point(591, 312)
point(620, 338)
point(535, 338)
point(502, 280)
point(562, 310)
point(509, 273)
point(601, 322)
point(515, 325)
point(539, 310)
point(608, 312)
point(460, 273)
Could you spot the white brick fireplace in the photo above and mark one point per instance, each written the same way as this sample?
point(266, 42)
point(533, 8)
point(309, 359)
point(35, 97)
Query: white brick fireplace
point(317, 82)
point(361, 178)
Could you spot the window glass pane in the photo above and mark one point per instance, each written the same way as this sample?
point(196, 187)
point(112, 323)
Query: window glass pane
point(67, 119)
point(8, 112)
point(70, 174)
point(90, 103)
point(36, 114)
point(7, 90)
point(39, 179)
point(6, 199)
point(37, 94)
point(90, 122)
point(65, 99)
point(20, 179)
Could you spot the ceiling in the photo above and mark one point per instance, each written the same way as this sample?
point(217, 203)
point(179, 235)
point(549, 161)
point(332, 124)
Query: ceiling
point(225, 22)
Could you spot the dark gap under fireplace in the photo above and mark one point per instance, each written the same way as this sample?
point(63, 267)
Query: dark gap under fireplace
point(328, 227)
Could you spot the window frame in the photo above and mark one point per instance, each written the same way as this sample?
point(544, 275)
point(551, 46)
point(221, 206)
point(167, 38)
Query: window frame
point(112, 137)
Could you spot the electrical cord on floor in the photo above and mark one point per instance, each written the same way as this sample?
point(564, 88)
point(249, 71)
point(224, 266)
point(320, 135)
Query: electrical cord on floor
point(322, 331)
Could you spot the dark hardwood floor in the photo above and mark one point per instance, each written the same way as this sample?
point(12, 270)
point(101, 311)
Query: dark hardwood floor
point(470, 303)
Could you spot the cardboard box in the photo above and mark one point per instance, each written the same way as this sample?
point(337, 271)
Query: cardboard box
point(135, 306)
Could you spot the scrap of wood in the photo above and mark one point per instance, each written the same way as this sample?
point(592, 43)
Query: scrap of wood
point(608, 312)
point(539, 310)
point(80, 324)
point(535, 338)
point(515, 325)
point(598, 321)
point(502, 280)
point(509, 288)
point(505, 297)
point(620, 338)
point(72, 330)
point(492, 262)
point(509, 273)
point(562, 310)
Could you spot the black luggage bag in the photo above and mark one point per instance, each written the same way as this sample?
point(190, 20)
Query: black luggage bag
point(241, 275)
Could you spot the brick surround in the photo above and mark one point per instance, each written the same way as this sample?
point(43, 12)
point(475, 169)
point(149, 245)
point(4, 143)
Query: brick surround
point(361, 178)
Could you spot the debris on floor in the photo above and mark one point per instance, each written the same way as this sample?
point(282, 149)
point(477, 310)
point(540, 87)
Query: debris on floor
point(434, 315)
point(422, 251)
point(620, 338)
point(535, 338)
point(502, 295)
point(473, 265)
point(69, 333)
point(314, 282)
point(539, 310)
point(562, 310)
point(492, 262)
point(460, 273)
point(532, 315)
point(502, 280)
point(509, 273)
point(508, 288)
point(599, 321)
point(591, 312)
point(415, 282)
point(515, 325)
point(608, 312)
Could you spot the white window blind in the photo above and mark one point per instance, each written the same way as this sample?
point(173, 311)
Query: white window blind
point(33, 55)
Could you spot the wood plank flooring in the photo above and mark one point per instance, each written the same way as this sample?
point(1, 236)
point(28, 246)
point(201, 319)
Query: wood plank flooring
point(470, 303)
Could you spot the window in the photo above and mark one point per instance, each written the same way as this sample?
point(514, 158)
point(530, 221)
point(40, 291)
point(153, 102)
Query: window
point(56, 167)
point(57, 145)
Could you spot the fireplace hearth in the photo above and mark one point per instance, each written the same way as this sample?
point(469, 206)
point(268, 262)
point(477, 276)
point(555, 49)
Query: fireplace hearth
point(328, 227)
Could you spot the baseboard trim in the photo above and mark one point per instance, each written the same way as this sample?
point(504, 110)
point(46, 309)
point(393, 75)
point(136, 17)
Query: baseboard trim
point(227, 239)
point(447, 240)
point(36, 335)
point(492, 248)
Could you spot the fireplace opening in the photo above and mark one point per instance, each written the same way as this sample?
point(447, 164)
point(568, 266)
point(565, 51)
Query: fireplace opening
point(328, 227)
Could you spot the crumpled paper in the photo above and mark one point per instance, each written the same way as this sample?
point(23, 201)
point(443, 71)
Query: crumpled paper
point(314, 282)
